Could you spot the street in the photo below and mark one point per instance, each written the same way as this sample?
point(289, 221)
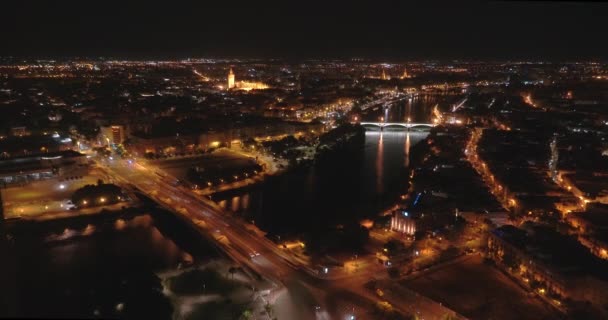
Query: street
point(241, 243)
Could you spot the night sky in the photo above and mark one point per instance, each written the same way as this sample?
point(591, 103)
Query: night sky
point(306, 29)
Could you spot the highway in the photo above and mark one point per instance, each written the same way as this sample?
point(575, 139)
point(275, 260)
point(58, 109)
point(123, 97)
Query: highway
point(338, 294)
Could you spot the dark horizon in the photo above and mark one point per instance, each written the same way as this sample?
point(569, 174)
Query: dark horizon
point(377, 30)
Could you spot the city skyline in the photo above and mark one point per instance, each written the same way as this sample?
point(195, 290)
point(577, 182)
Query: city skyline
point(291, 160)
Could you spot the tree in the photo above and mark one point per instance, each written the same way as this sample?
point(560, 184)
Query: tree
point(247, 314)
point(269, 309)
point(509, 260)
point(449, 253)
point(449, 316)
point(393, 272)
point(394, 247)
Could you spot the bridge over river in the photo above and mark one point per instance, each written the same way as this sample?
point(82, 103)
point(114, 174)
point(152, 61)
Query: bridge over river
point(404, 125)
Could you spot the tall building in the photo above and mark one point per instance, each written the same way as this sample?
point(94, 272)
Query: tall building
point(112, 134)
point(231, 83)
point(384, 77)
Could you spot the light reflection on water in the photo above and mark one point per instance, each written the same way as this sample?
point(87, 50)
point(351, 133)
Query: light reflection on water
point(358, 187)
point(133, 240)
point(407, 149)
point(390, 152)
point(363, 187)
point(417, 109)
point(142, 227)
point(380, 164)
point(56, 265)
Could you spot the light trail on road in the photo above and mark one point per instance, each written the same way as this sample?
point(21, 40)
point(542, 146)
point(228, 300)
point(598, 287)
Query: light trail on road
point(272, 263)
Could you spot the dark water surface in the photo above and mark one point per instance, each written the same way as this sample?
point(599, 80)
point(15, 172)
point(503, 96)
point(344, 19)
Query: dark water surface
point(86, 267)
point(351, 189)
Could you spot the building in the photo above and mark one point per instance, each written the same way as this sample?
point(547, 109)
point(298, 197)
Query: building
point(143, 144)
point(251, 85)
point(227, 135)
point(243, 85)
point(555, 266)
point(25, 169)
point(21, 146)
point(231, 83)
point(20, 131)
point(405, 74)
point(403, 222)
point(113, 134)
point(591, 227)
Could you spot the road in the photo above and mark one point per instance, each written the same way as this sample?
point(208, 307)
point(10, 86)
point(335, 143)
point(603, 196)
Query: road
point(338, 295)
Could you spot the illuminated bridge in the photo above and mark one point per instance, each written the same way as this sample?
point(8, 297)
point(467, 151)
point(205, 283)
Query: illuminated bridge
point(404, 125)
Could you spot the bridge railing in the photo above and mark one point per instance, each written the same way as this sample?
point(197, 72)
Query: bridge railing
point(399, 124)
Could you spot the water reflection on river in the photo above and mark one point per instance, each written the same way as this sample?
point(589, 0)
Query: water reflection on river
point(76, 268)
point(305, 197)
point(309, 197)
point(417, 109)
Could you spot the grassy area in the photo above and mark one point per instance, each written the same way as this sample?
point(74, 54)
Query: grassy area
point(225, 159)
point(224, 310)
point(205, 281)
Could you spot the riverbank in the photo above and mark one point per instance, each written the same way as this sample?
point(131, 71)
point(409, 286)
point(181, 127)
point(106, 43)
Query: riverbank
point(342, 190)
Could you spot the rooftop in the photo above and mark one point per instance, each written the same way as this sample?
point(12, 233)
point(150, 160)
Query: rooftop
point(562, 253)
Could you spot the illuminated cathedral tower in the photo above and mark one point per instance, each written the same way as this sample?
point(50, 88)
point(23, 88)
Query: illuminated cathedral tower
point(231, 79)
point(384, 77)
point(405, 75)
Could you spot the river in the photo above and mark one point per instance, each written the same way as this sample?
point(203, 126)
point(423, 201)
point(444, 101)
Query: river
point(85, 267)
point(360, 188)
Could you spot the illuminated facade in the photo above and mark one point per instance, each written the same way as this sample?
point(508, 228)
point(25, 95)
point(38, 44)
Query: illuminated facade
point(112, 134)
point(231, 83)
point(59, 164)
point(246, 85)
point(403, 223)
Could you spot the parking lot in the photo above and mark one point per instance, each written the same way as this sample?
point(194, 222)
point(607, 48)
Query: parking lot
point(41, 197)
